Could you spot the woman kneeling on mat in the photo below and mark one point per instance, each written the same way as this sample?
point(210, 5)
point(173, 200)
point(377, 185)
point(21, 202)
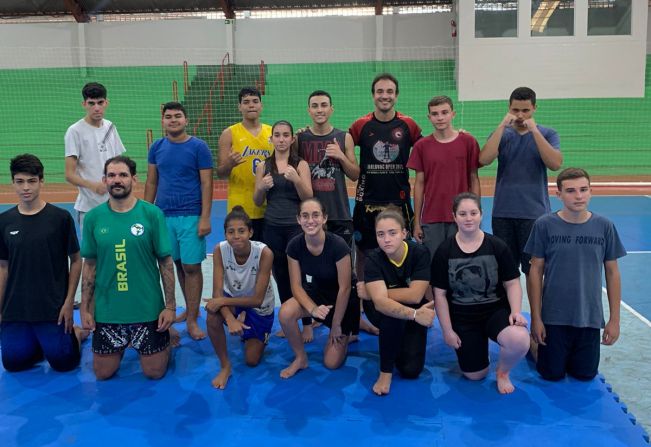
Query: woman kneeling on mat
point(478, 296)
point(396, 277)
point(241, 273)
point(320, 277)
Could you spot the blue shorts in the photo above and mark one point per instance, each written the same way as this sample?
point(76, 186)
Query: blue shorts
point(260, 325)
point(569, 350)
point(25, 343)
point(186, 243)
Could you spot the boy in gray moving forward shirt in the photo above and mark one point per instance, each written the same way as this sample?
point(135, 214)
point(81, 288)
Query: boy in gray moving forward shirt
point(568, 249)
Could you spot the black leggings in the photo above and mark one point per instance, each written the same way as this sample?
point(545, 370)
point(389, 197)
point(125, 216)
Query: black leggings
point(402, 343)
point(277, 237)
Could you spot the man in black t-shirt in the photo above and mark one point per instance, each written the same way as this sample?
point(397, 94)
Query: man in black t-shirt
point(37, 287)
point(385, 138)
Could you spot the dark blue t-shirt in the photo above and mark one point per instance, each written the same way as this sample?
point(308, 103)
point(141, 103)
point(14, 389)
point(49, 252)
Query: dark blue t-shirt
point(521, 182)
point(179, 183)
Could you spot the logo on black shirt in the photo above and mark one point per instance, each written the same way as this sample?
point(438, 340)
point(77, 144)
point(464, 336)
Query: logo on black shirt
point(385, 151)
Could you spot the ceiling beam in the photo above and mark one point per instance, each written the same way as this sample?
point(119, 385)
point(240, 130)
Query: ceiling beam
point(77, 11)
point(227, 8)
point(378, 7)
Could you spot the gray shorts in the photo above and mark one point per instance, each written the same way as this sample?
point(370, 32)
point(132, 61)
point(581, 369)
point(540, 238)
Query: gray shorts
point(434, 234)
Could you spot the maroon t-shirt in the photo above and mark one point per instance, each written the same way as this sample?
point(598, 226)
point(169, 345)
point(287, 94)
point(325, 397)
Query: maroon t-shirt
point(447, 168)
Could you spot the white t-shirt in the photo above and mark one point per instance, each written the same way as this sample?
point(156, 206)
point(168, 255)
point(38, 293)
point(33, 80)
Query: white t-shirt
point(239, 280)
point(92, 146)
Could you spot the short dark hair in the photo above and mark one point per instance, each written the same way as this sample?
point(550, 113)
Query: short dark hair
point(319, 93)
point(121, 159)
point(248, 91)
point(438, 100)
point(465, 196)
point(238, 213)
point(93, 90)
point(173, 105)
point(384, 77)
point(26, 164)
point(523, 94)
point(571, 174)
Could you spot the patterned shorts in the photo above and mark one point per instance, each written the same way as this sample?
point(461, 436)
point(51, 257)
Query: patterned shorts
point(111, 338)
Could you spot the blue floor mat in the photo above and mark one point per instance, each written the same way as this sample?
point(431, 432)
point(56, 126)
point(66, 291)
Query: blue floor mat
point(316, 407)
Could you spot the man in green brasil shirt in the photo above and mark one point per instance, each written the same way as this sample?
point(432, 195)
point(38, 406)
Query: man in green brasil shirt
point(126, 253)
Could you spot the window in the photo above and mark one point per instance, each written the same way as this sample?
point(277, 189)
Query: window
point(496, 18)
point(609, 17)
point(552, 18)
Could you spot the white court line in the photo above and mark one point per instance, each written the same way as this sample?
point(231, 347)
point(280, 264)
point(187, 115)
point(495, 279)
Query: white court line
point(641, 317)
point(640, 252)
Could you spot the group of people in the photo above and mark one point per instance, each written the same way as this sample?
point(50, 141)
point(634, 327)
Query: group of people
point(289, 218)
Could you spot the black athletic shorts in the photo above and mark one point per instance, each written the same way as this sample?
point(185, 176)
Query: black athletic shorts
point(343, 229)
point(515, 233)
point(474, 327)
point(350, 321)
point(111, 338)
point(257, 225)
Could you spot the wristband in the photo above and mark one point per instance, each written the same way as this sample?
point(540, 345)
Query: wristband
point(415, 310)
point(170, 308)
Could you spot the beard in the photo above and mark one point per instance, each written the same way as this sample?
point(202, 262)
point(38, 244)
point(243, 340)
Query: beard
point(120, 194)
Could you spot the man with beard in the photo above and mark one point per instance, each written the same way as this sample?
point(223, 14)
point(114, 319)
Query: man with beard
point(179, 179)
point(126, 251)
point(385, 138)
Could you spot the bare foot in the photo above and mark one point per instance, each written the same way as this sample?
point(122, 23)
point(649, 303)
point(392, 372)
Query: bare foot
point(195, 331)
point(294, 367)
point(353, 338)
point(280, 334)
point(368, 327)
point(221, 379)
point(175, 337)
point(180, 318)
point(383, 384)
point(504, 385)
point(316, 324)
point(308, 333)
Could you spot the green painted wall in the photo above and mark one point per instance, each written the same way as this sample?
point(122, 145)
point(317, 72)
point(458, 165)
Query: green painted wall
point(607, 136)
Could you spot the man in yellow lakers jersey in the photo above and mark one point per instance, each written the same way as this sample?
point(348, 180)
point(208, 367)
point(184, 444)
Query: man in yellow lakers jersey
point(241, 147)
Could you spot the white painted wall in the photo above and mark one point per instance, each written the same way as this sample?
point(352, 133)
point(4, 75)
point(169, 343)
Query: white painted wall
point(324, 39)
point(577, 66)
point(580, 66)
